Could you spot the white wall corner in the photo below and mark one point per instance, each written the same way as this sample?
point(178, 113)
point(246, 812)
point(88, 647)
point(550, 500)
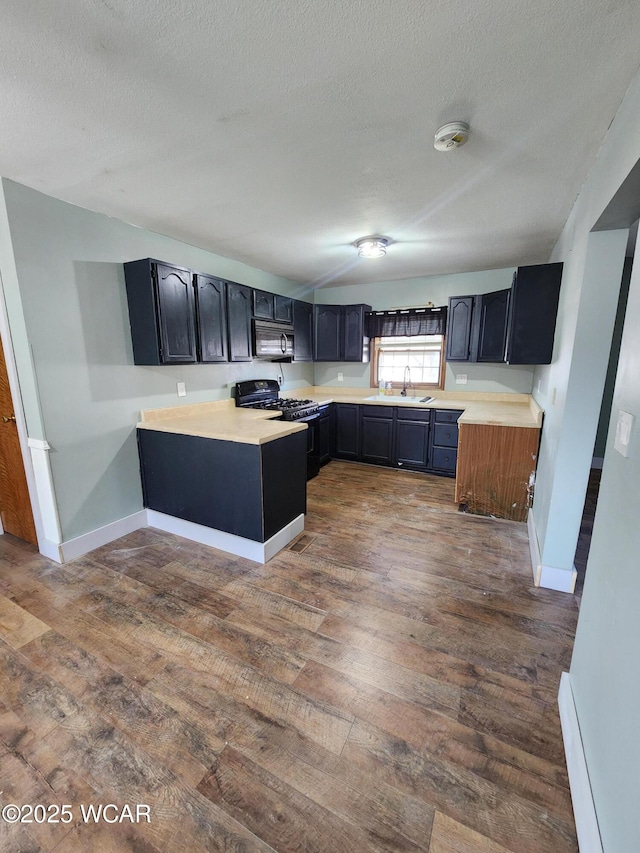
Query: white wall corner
point(49, 534)
point(589, 840)
point(74, 548)
point(534, 549)
point(562, 580)
point(548, 577)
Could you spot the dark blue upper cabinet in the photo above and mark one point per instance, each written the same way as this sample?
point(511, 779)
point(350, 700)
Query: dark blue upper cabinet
point(161, 312)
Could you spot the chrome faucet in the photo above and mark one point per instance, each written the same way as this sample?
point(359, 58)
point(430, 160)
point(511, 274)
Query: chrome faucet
point(406, 381)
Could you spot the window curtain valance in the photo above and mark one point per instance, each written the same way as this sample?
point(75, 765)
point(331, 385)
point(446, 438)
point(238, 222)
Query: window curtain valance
point(406, 322)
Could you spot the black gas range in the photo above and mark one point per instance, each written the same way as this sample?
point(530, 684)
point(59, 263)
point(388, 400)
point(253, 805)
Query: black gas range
point(265, 394)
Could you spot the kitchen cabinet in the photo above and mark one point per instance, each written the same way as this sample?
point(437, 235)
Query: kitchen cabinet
point(377, 434)
point(513, 326)
point(459, 317)
point(283, 309)
point(263, 305)
point(535, 293)
point(339, 333)
point(347, 431)
point(161, 312)
point(211, 313)
point(443, 452)
point(491, 333)
point(412, 438)
point(327, 332)
point(249, 490)
point(303, 330)
point(239, 322)
point(272, 306)
point(398, 436)
point(495, 468)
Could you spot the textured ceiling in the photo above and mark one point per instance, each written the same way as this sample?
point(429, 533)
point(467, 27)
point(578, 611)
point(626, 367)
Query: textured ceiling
point(277, 132)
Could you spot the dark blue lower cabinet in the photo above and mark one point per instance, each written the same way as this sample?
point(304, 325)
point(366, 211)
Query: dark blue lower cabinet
point(250, 490)
point(412, 438)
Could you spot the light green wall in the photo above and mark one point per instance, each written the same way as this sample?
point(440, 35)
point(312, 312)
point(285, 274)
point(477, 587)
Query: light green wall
point(417, 291)
point(604, 670)
point(68, 280)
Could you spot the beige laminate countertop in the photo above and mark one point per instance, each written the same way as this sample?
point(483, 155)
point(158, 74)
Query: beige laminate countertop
point(492, 409)
point(221, 419)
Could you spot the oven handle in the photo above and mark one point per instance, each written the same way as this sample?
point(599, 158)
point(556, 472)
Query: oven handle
point(308, 418)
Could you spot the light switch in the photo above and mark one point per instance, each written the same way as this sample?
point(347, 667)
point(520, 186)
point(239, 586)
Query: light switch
point(341, 377)
point(182, 389)
point(461, 378)
point(623, 432)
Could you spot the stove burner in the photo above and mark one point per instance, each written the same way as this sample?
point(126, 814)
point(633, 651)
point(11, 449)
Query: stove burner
point(263, 394)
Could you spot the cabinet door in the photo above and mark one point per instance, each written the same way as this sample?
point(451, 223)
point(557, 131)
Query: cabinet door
point(532, 314)
point(412, 443)
point(347, 431)
point(283, 308)
point(176, 311)
point(459, 318)
point(303, 331)
point(239, 321)
point(376, 434)
point(327, 323)
point(211, 303)
point(492, 325)
point(356, 345)
point(263, 304)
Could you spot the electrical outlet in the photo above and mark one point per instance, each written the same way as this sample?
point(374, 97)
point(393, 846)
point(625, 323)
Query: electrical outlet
point(280, 379)
point(624, 426)
point(461, 378)
point(182, 389)
point(341, 377)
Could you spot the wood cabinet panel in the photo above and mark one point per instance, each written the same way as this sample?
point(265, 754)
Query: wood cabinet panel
point(495, 464)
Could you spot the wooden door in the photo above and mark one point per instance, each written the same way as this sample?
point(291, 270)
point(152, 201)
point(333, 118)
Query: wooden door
point(15, 504)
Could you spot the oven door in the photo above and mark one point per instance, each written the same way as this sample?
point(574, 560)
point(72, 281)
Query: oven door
point(313, 454)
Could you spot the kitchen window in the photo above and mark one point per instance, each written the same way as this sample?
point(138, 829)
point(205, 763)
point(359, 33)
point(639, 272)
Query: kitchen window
point(417, 361)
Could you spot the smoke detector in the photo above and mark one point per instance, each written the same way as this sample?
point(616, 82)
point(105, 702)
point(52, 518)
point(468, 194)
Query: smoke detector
point(451, 135)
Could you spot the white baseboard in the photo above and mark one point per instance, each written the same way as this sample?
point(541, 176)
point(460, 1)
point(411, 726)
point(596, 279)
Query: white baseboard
point(547, 576)
point(101, 536)
point(584, 810)
point(51, 550)
point(259, 552)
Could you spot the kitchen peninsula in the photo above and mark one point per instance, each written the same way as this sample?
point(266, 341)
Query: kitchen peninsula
point(236, 478)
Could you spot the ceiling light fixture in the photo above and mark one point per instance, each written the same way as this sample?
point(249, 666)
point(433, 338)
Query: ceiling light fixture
point(372, 247)
point(451, 135)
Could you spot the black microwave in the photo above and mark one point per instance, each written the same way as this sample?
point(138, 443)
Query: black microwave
point(272, 340)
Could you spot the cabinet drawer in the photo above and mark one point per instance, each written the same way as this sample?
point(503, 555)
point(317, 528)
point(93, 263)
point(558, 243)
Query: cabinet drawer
point(447, 416)
point(444, 458)
point(407, 414)
point(445, 435)
point(377, 412)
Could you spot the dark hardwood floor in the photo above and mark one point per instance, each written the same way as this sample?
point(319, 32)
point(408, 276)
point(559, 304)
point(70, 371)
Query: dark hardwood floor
point(387, 683)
